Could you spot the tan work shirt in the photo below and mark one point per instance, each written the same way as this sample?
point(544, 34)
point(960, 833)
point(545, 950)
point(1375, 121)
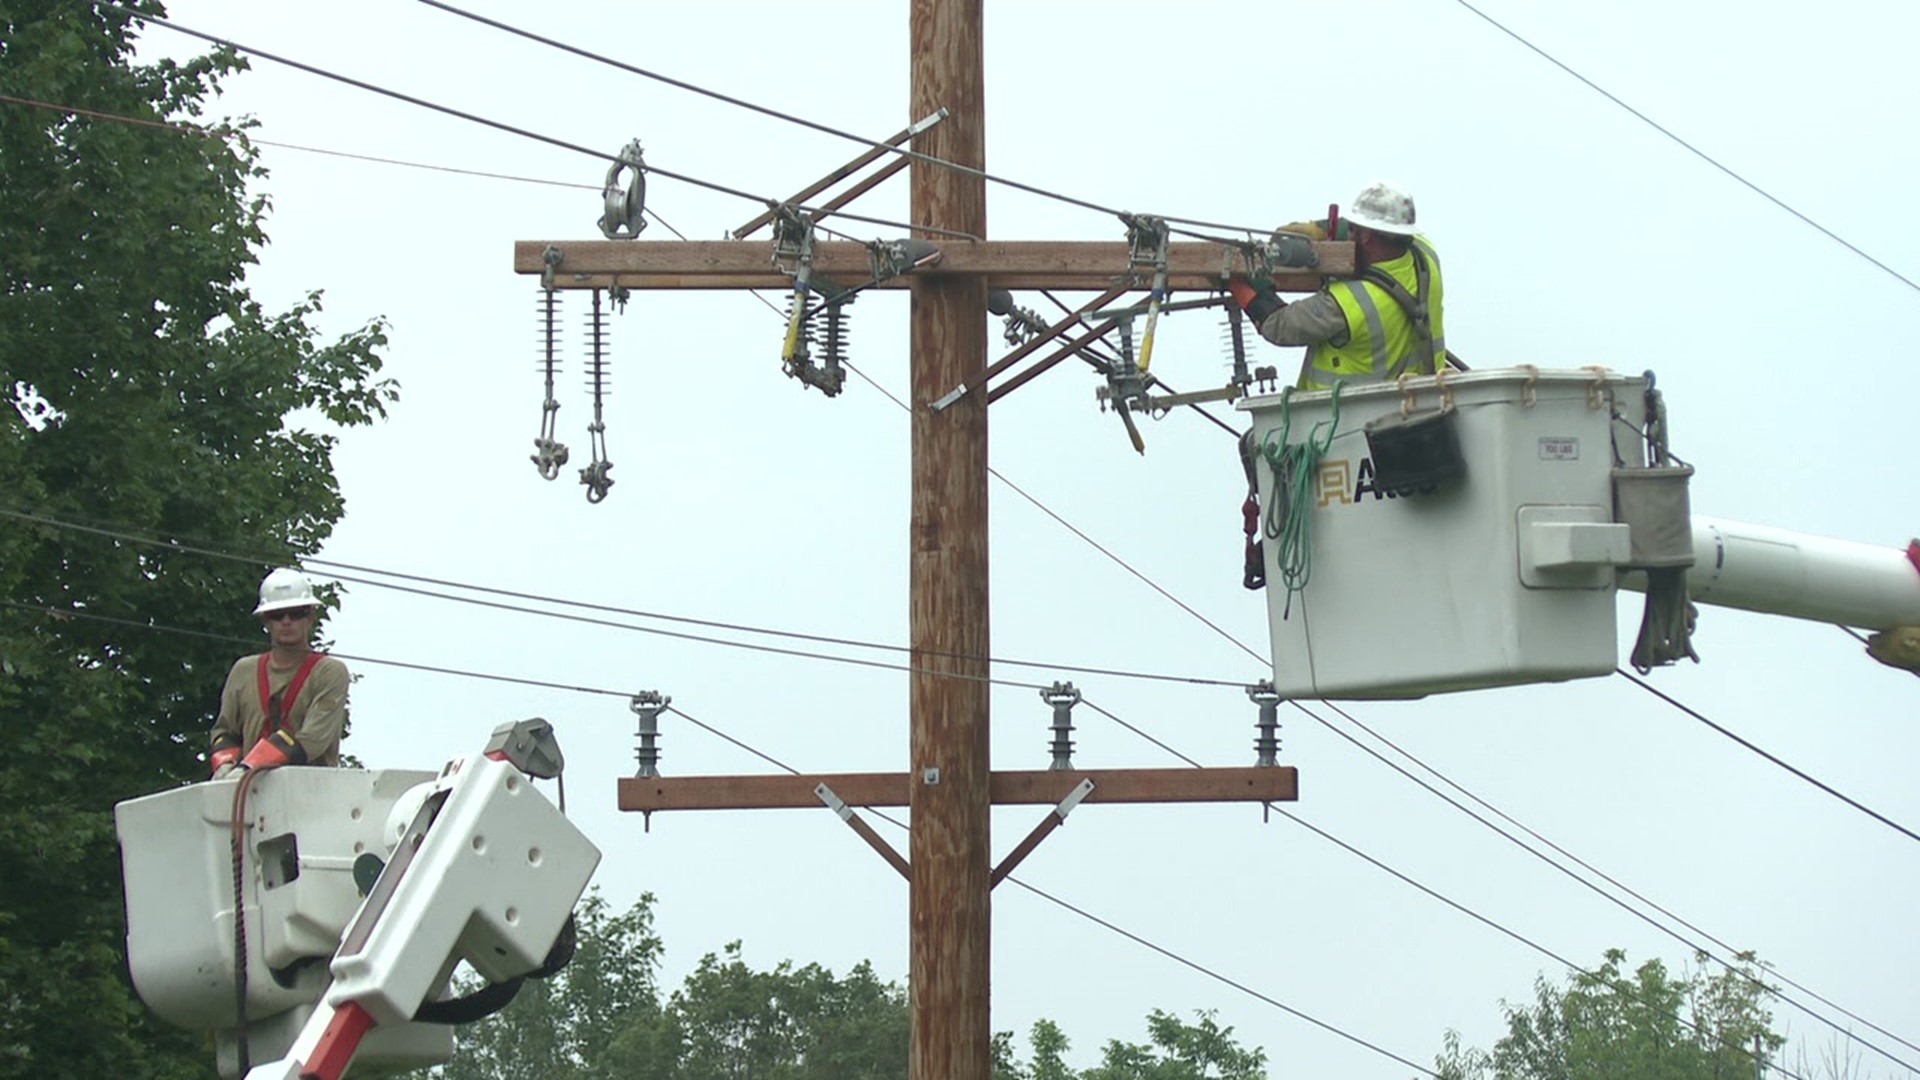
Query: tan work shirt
point(317, 718)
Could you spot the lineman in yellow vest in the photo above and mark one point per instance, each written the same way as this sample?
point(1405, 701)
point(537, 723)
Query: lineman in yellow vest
point(1382, 323)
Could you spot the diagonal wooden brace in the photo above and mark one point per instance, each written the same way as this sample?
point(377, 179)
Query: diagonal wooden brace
point(864, 830)
point(1054, 819)
point(761, 220)
point(1026, 349)
point(1042, 367)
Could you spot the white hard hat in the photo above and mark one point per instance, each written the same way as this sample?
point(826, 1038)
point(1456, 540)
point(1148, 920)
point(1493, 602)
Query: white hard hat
point(1382, 207)
point(285, 588)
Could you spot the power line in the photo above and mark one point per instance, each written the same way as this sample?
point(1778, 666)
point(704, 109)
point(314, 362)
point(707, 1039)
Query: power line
point(500, 125)
point(1605, 895)
point(1828, 788)
point(1616, 883)
point(217, 133)
point(210, 552)
point(911, 155)
point(1690, 148)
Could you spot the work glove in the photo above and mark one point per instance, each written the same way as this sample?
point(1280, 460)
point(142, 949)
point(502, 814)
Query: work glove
point(1257, 299)
point(223, 760)
point(1316, 230)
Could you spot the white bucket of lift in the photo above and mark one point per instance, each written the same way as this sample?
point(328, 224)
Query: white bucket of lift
point(1500, 571)
point(306, 827)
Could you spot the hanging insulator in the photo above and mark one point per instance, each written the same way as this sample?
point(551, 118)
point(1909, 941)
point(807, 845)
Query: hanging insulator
point(599, 365)
point(549, 453)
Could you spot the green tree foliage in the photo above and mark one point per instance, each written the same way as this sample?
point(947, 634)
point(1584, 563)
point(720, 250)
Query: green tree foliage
point(142, 387)
point(1649, 1025)
point(603, 1017)
point(791, 1023)
point(600, 1017)
point(1174, 1050)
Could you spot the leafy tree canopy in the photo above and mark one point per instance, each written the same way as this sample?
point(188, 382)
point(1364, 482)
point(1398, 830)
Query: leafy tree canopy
point(1649, 1025)
point(146, 390)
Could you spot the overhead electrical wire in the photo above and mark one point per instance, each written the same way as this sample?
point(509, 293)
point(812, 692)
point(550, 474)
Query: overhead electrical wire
point(512, 129)
point(873, 144)
point(1802, 774)
point(127, 536)
point(218, 133)
point(1615, 882)
point(1690, 148)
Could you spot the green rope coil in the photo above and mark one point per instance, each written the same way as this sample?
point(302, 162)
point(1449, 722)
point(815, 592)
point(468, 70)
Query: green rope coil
point(1296, 472)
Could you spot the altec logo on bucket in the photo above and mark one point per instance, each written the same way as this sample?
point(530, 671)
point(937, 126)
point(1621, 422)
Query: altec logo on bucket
point(1341, 483)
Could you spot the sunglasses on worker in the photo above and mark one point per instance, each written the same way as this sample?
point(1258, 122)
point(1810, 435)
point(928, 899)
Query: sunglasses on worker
point(287, 613)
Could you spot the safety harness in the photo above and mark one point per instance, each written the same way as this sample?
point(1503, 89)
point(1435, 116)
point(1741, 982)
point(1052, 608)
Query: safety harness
point(1415, 306)
point(276, 733)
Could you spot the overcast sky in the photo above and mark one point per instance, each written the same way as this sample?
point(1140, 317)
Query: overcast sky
point(1573, 233)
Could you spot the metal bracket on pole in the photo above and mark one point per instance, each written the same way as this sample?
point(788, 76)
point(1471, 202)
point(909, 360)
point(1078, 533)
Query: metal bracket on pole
point(1054, 819)
point(864, 830)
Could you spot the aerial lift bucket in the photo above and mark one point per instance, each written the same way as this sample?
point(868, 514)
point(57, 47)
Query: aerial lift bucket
point(1459, 532)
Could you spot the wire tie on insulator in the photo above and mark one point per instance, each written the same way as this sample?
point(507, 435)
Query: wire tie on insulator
point(550, 260)
point(1063, 697)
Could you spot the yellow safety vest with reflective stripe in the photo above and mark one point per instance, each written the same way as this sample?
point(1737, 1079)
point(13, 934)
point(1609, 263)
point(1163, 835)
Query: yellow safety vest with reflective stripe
point(1382, 342)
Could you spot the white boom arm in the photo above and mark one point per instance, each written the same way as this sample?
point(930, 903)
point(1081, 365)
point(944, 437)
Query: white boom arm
point(487, 872)
point(1779, 572)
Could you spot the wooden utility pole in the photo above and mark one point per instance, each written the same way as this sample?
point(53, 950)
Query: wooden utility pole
point(950, 911)
point(948, 784)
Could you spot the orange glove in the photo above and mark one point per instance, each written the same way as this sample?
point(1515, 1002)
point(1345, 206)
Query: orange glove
point(222, 758)
point(1257, 300)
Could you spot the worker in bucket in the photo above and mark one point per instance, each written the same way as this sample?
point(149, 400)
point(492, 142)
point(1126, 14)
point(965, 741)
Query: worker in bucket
point(288, 705)
point(1378, 325)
